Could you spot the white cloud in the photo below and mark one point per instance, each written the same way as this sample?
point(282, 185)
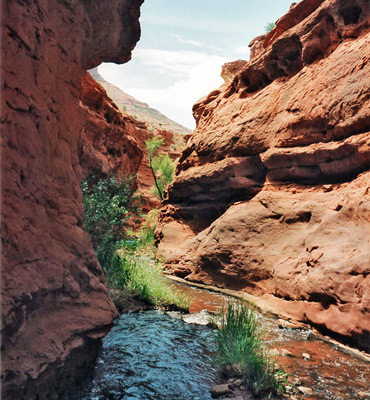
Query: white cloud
point(201, 75)
point(243, 50)
point(196, 74)
point(176, 63)
point(182, 40)
point(201, 23)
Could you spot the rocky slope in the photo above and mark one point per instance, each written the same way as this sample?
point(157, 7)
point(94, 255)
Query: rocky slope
point(56, 126)
point(272, 194)
point(137, 109)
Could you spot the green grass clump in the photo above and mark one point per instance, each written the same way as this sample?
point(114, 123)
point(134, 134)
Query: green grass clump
point(142, 275)
point(242, 350)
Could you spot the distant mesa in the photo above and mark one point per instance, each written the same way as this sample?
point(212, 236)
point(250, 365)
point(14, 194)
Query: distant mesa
point(138, 109)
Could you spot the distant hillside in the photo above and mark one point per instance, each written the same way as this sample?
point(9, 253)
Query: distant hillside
point(139, 110)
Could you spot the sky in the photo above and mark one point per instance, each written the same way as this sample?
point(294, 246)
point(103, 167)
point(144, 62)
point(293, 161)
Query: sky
point(184, 44)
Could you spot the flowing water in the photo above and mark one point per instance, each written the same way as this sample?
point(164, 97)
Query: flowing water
point(329, 371)
point(155, 355)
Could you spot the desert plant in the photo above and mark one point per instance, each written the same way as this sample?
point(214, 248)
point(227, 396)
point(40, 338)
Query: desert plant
point(109, 203)
point(242, 350)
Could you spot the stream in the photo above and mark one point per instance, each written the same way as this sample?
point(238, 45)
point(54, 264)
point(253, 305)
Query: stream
point(155, 355)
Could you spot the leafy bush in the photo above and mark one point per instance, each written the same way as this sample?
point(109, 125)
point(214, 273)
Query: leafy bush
point(161, 165)
point(242, 350)
point(108, 206)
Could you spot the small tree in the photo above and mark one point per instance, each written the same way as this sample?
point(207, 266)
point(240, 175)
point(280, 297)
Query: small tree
point(161, 165)
point(269, 27)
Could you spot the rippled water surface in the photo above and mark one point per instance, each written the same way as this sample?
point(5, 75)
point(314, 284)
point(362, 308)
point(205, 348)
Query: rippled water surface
point(152, 356)
point(157, 356)
point(329, 372)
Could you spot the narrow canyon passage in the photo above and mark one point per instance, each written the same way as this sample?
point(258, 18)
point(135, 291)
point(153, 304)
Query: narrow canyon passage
point(271, 194)
point(167, 356)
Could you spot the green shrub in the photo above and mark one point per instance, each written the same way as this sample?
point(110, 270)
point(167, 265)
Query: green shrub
point(242, 350)
point(108, 205)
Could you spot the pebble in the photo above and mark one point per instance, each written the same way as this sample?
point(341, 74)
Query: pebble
point(220, 390)
point(286, 353)
point(289, 324)
point(305, 390)
point(306, 356)
point(297, 382)
point(238, 382)
point(327, 188)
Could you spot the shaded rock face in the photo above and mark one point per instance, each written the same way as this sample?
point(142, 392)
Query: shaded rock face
point(107, 140)
point(272, 194)
point(55, 304)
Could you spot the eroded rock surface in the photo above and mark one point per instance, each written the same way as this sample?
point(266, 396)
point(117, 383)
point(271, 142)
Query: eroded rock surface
point(55, 304)
point(272, 194)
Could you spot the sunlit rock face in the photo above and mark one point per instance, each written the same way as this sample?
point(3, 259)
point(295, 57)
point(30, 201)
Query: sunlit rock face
point(272, 194)
point(55, 304)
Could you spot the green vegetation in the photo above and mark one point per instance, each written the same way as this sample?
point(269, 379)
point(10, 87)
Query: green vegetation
point(145, 234)
point(127, 258)
point(242, 350)
point(161, 165)
point(135, 269)
point(269, 27)
point(143, 276)
point(108, 206)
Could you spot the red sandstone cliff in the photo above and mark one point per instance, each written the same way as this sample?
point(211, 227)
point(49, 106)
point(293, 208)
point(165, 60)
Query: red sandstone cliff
point(272, 194)
point(55, 304)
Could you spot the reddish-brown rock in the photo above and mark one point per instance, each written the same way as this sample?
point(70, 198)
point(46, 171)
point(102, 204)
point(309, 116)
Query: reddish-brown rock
point(231, 69)
point(107, 139)
point(272, 194)
point(55, 304)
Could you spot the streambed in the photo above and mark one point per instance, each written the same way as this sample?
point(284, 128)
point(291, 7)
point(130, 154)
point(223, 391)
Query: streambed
point(331, 373)
point(155, 355)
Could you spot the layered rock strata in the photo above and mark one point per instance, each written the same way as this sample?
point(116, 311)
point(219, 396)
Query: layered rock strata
point(272, 194)
point(55, 304)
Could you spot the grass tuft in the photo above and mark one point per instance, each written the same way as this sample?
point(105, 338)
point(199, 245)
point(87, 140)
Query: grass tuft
point(242, 350)
point(142, 275)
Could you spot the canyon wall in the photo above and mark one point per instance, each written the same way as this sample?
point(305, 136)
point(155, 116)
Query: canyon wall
point(56, 127)
point(272, 193)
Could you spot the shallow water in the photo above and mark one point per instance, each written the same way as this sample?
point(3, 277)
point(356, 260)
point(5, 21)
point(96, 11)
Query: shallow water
point(153, 356)
point(331, 373)
point(156, 356)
